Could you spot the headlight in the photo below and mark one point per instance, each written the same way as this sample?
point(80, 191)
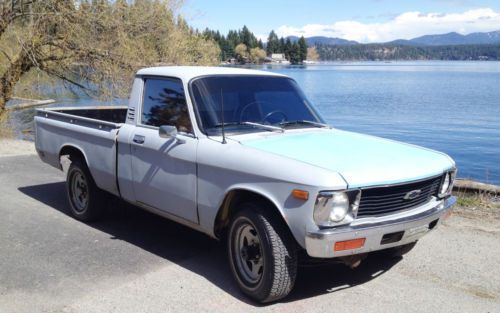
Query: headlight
point(447, 184)
point(331, 208)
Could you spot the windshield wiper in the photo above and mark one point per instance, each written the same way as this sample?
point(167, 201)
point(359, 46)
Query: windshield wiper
point(263, 126)
point(317, 124)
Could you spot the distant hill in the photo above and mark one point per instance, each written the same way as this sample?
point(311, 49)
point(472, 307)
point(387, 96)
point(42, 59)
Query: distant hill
point(450, 46)
point(449, 39)
point(458, 39)
point(312, 41)
point(402, 42)
point(388, 52)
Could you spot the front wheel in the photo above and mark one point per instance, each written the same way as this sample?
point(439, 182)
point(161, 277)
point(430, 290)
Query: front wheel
point(262, 254)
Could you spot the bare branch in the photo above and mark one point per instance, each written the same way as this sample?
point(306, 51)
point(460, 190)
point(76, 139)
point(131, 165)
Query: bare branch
point(6, 55)
point(64, 78)
point(95, 43)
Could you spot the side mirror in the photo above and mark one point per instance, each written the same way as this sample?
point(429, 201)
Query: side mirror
point(167, 131)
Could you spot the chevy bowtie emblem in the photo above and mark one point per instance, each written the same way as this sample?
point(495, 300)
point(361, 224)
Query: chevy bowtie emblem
point(412, 194)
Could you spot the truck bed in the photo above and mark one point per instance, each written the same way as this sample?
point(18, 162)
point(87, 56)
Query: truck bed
point(112, 114)
point(91, 130)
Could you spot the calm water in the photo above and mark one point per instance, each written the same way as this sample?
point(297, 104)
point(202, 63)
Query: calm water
point(453, 107)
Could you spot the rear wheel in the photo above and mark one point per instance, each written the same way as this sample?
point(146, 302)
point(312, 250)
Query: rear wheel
point(262, 254)
point(86, 200)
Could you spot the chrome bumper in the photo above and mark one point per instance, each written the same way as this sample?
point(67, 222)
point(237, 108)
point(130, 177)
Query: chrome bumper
point(412, 224)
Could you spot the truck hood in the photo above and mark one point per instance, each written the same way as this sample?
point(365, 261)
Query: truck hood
point(361, 159)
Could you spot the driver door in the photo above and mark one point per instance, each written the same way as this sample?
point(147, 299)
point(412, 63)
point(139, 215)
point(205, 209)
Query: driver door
point(164, 169)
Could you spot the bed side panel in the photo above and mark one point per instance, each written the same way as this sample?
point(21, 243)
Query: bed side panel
point(97, 145)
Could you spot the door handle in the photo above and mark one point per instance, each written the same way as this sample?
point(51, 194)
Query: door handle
point(139, 139)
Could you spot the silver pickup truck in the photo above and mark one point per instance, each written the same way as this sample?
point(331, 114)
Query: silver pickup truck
point(242, 156)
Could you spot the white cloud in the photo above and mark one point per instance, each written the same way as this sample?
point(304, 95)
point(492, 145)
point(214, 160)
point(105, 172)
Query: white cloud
point(404, 26)
point(262, 37)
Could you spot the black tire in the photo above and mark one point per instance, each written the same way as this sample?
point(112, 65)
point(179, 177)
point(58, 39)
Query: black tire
point(86, 200)
point(265, 271)
point(399, 251)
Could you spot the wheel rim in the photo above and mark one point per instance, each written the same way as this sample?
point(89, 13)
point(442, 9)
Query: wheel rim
point(79, 191)
point(248, 253)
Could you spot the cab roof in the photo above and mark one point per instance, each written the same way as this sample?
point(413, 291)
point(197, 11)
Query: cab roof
point(186, 73)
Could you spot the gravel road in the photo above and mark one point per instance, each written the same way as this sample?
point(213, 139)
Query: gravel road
point(133, 261)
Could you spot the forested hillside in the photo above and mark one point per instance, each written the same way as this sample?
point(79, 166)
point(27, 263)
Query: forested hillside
point(404, 52)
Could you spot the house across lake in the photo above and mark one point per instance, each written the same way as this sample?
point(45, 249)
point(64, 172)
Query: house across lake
point(278, 58)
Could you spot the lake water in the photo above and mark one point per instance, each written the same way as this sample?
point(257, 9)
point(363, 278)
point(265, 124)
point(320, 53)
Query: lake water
point(449, 106)
point(453, 107)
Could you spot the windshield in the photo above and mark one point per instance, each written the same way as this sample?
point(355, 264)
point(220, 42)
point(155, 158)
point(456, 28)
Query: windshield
point(250, 100)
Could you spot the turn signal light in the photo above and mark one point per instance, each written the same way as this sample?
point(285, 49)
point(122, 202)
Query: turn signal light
point(300, 194)
point(349, 244)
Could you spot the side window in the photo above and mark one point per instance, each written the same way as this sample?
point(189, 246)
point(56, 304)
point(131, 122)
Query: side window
point(164, 103)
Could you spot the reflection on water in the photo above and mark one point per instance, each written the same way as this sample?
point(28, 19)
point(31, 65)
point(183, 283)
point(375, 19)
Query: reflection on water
point(448, 106)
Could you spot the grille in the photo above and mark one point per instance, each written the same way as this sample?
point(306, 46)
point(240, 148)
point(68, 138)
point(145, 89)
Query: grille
point(391, 199)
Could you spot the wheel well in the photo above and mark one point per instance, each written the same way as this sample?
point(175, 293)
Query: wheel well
point(230, 206)
point(73, 153)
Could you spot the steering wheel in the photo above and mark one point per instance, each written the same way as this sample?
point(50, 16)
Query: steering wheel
point(268, 115)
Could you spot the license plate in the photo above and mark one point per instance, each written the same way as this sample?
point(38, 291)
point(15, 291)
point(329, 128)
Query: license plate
point(417, 231)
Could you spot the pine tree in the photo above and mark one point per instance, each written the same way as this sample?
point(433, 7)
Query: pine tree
point(302, 49)
point(282, 45)
point(295, 54)
point(288, 48)
point(273, 43)
point(248, 38)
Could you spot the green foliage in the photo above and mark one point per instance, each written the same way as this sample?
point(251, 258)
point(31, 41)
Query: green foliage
point(287, 48)
point(468, 201)
point(302, 46)
point(373, 52)
point(227, 44)
point(273, 43)
point(294, 52)
point(248, 38)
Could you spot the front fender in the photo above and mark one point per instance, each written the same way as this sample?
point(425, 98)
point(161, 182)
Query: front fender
point(226, 167)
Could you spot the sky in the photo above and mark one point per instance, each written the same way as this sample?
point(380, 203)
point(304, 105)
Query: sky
point(361, 20)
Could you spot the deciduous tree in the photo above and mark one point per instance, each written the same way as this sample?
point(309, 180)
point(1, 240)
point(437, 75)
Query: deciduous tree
point(95, 46)
point(257, 55)
point(312, 54)
point(241, 52)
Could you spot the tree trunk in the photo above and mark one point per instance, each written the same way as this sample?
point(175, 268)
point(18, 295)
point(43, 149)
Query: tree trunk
point(21, 65)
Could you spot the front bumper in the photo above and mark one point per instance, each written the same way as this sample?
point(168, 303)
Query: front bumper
point(382, 233)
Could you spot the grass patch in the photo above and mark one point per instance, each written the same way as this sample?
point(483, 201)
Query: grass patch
point(469, 201)
point(478, 200)
point(478, 205)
